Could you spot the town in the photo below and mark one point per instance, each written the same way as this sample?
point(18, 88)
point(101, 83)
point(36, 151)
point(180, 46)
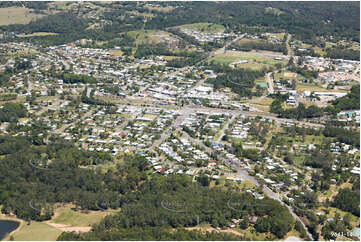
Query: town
point(262, 112)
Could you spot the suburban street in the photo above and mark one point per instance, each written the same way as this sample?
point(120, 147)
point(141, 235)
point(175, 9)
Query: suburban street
point(269, 81)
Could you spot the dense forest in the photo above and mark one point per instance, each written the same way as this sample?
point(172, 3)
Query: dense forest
point(76, 78)
point(306, 21)
point(149, 233)
point(48, 174)
point(259, 45)
point(299, 113)
point(241, 81)
point(36, 176)
point(346, 54)
point(11, 112)
point(349, 102)
point(348, 200)
point(343, 135)
point(176, 202)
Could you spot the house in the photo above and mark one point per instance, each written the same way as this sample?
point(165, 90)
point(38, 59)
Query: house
point(253, 219)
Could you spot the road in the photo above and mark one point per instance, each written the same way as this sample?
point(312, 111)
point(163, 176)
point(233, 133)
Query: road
point(240, 173)
point(221, 50)
point(88, 92)
point(289, 49)
point(177, 122)
point(230, 121)
point(62, 128)
point(243, 174)
point(269, 81)
point(193, 109)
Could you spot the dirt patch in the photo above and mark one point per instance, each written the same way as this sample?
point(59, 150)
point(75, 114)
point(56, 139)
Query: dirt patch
point(293, 238)
point(67, 228)
point(289, 74)
point(210, 229)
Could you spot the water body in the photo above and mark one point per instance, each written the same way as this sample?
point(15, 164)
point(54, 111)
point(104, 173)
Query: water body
point(6, 226)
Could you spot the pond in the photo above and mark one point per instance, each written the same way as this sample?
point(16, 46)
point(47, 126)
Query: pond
point(6, 226)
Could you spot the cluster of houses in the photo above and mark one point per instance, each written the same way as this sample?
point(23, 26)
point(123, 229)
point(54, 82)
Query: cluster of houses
point(205, 36)
point(345, 116)
point(240, 129)
point(337, 77)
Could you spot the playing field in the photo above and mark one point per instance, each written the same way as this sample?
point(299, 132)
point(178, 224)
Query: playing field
point(17, 15)
point(256, 61)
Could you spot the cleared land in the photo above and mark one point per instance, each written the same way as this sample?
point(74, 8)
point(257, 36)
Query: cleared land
point(116, 52)
point(65, 215)
point(314, 88)
point(255, 61)
point(279, 36)
point(160, 8)
point(204, 27)
point(149, 36)
point(17, 15)
point(37, 231)
point(37, 34)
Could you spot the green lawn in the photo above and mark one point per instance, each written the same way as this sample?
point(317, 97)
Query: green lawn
point(37, 231)
point(262, 84)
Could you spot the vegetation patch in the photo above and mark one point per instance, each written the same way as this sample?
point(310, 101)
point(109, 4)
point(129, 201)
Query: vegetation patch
point(17, 15)
point(37, 34)
point(204, 27)
point(37, 231)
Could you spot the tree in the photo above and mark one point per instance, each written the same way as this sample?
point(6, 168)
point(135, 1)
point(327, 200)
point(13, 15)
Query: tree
point(348, 200)
point(244, 223)
point(276, 107)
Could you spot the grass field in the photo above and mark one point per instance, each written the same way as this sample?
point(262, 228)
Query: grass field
point(37, 34)
point(314, 88)
point(260, 101)
point(261, 84)
point(17, 15)
point(116, 52)
point(148, 36)
point(256, 61)
point(288, 76)
point(65, 215)
point(204, 27)
point(160, 8)
point(37, 231)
